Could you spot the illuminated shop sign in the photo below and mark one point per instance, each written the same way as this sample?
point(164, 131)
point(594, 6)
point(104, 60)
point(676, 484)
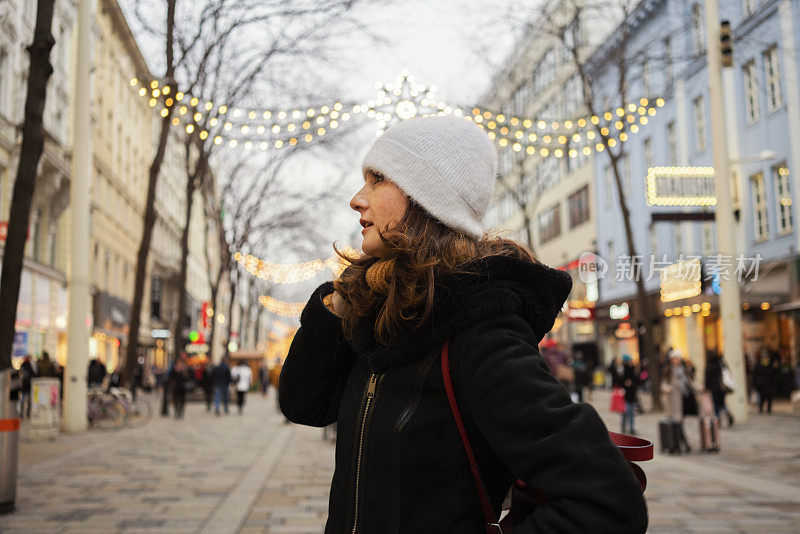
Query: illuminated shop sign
point(680, 186)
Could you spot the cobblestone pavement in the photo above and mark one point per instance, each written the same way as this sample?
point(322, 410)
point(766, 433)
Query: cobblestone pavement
point(254, 473)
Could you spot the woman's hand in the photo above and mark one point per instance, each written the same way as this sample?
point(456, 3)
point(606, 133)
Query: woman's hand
point(335, 303)
point(338, 304)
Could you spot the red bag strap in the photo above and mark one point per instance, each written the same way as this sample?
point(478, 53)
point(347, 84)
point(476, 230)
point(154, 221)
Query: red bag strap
point(632, 448)
point(492, 526)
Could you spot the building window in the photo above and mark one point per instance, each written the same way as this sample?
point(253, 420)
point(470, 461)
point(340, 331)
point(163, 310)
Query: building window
point(626, 174)
point(749, 7)
point(36, 234)
point(774, 99)
point(652, 234)
point(550, 223)
point(672, 143)
point(759, 207)
point(700, 123)
point(646, 78)
point(578, 205)
point(751, 91)
point(107, 272)
point(678, 239)
point(708, 238)
point(52, 245)
point(783, 195)
point(698, 44)
point(648, 154)
point(609, 185)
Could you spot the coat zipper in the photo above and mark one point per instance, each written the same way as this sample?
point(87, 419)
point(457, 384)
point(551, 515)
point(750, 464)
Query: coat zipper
point(370, 395)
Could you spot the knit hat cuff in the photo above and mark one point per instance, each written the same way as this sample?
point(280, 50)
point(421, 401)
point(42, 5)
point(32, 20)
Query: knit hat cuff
point(403, 166)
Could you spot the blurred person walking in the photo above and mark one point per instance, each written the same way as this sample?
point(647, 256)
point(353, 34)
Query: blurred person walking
point(180, 380)
point(96, 373)
point(630, 384)
point(715, 385)
point(46, 366)
point(221, 377)
point(764, 376)
point(242, 376)
point(581, 373)
point(672, 387)
point(27, 373)
point(263, 377)
point(207, 383)
point(431, 298)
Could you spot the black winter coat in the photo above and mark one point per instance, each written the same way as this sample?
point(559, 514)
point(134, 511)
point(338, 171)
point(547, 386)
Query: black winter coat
point(400, 464)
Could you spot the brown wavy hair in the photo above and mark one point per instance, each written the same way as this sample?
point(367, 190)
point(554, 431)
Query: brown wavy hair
point(420, 249)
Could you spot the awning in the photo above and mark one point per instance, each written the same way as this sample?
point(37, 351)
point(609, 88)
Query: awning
point(788, 307)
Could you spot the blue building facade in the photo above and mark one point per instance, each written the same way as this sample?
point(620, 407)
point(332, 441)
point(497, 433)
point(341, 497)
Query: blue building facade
point(666, 59)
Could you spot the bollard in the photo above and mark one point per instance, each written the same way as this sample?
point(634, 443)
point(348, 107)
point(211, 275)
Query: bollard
point(9, 443)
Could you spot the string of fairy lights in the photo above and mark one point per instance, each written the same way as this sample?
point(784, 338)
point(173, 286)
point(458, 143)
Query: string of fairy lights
point(269, 129)
point(289, 273)
point(266, 129)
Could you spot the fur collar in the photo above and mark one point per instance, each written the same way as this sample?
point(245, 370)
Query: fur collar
point(495, 286)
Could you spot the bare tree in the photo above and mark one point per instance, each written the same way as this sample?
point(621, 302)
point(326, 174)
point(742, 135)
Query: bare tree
point(205, 43)
point(565, 24)
point(149, 220)
point(30, 153)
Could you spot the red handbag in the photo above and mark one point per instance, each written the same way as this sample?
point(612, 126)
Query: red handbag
point(617, 400)
point(524, 498)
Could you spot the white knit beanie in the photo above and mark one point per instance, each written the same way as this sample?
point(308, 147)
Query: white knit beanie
point(446, 164)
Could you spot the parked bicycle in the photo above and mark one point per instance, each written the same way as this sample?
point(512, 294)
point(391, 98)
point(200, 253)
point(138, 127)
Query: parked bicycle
point(105, 410)
point(138, 412)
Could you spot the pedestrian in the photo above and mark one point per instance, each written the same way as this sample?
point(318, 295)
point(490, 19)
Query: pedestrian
point(221, 376)
point(46, 367)
point(27, 373)
point(137, 377)
point(96, 373)
point(616, 370)
point(263, 377)
point(714, 384)
point(242, 376)
point(370, 350)
point(207, 383)
point(671, 389)
point(180, 380)
point(764, 376)
point(581, 372)
point(630, 383)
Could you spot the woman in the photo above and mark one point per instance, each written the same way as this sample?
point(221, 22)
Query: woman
point(180, 378)
point(630, 383)
point(672, 385)
point(367, 356)
point(714, 384)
